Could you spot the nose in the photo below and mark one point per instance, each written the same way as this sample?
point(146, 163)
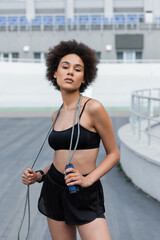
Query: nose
point(70, 71)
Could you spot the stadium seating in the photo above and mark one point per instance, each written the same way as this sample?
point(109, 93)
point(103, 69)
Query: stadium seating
point(119, 19)
point(60, 20)
point(132, 19)
point(78, 20)
point(13, 21)
point(95, 20)
point(69, 21)
point(157, 19)
point(23, 21)
point(105, 21)
point(37, 21)
point(48, 21)
point(83, 20)
point(2, 21)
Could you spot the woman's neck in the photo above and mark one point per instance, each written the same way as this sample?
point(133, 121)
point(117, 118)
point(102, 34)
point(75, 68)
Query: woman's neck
point(69, 100)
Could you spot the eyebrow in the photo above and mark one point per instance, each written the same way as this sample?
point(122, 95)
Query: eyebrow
point(77, 65)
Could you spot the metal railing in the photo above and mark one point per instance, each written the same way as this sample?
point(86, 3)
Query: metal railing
point(145, 112)
point(108, 61)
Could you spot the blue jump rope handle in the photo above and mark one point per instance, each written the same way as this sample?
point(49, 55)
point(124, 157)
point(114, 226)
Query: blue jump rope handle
point(74, 188)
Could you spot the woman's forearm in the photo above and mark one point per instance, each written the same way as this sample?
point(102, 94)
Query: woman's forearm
point(45, 170)
point(105, 166)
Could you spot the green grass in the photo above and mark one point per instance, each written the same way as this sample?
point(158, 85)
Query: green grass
point(6, 109)
point(121, 170)
point(28, 109)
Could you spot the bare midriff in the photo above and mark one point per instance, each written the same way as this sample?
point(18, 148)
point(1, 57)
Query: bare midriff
point(83, 160)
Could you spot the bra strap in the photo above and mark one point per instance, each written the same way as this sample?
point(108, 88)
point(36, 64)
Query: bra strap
point(84, 107)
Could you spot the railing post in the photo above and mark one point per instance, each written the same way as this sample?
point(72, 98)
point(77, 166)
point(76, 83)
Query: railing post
point(139, 118)
point(131, 117)
point(158, 102)
point(133, 114)
point(149, 121)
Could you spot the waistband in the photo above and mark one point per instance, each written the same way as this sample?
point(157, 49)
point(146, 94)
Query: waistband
point(57, 176)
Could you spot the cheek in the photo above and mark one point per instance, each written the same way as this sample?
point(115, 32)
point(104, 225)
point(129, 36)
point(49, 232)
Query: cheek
point(59, 75)
point(81, 77)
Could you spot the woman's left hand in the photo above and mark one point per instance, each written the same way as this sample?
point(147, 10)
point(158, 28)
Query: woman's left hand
point(76, 178)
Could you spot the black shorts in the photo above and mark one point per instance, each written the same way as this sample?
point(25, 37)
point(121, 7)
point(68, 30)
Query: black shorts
point(56, 202)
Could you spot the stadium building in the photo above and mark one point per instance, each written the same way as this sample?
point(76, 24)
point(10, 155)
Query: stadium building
point(117, 29)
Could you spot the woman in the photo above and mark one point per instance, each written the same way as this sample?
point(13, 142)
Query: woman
point(71, 67)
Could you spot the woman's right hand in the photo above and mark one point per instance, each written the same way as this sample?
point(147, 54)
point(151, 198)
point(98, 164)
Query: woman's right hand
point(29, 177)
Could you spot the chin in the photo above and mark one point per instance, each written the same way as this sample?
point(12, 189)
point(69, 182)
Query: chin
point(69, 89)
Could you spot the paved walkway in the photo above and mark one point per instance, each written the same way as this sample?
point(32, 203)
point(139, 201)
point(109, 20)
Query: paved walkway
point(130, 213)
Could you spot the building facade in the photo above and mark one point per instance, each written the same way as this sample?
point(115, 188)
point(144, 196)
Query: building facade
point(117, 29)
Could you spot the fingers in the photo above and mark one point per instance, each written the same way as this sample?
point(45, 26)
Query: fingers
point(70, 170)
point(74, 177)
point(29, 177)
point(31, 171)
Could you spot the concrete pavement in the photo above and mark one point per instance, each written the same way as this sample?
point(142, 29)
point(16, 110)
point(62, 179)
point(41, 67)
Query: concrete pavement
point(130, 213)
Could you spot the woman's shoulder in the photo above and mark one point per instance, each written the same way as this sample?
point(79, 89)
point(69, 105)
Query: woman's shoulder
point(53, 115)
point(94, 106)
point(97, 112)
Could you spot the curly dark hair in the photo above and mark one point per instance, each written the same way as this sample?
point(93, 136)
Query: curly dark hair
point(87, 55)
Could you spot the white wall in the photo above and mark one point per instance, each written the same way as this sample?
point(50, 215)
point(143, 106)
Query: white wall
point(139, 161)
point(24, 84)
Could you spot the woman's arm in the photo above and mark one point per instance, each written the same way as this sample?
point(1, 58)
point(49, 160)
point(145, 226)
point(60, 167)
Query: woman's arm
point(103, 125)
point(30, 176)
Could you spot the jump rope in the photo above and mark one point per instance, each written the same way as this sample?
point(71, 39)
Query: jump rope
point(72, 189)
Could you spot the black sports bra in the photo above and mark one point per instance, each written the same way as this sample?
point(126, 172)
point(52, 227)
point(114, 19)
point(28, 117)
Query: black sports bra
point(60, 140)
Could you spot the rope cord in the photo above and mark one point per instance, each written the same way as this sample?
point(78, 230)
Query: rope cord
point(27, 202)
point(78, 102)
point(69, 159)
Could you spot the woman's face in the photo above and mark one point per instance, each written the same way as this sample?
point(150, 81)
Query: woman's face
point(70, 72)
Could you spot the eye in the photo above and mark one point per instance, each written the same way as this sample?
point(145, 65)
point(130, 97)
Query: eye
point(65, 67)
point(77, 70)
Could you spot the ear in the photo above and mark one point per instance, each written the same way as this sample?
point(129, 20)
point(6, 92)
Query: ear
point(55, 74)
point(83, 81)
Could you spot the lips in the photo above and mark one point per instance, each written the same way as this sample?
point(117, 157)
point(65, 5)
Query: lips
point(69, 80)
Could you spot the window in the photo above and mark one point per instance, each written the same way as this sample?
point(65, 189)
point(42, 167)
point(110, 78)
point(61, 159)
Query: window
point(98, 54)
point(15, 56)
point(119, 55)
point(37, 56)
point(138, 55)
point(6, 57)
point(129, 56)
point(45, 55)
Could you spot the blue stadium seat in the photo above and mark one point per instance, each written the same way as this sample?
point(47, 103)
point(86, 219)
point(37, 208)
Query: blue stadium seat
point(59, 20)
point(23, 21)
point(105, 21)
point(36, 21)
point(83, 19)
point(48, 21)
point(76, 20)
point(141, 17)
point(95, 19)
point(112, 21)
point(132, 19)
point(69, 21)
point(157, 18)
point(13, 21)
point(119, 19)
point(135, 19)
point(2, 21)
